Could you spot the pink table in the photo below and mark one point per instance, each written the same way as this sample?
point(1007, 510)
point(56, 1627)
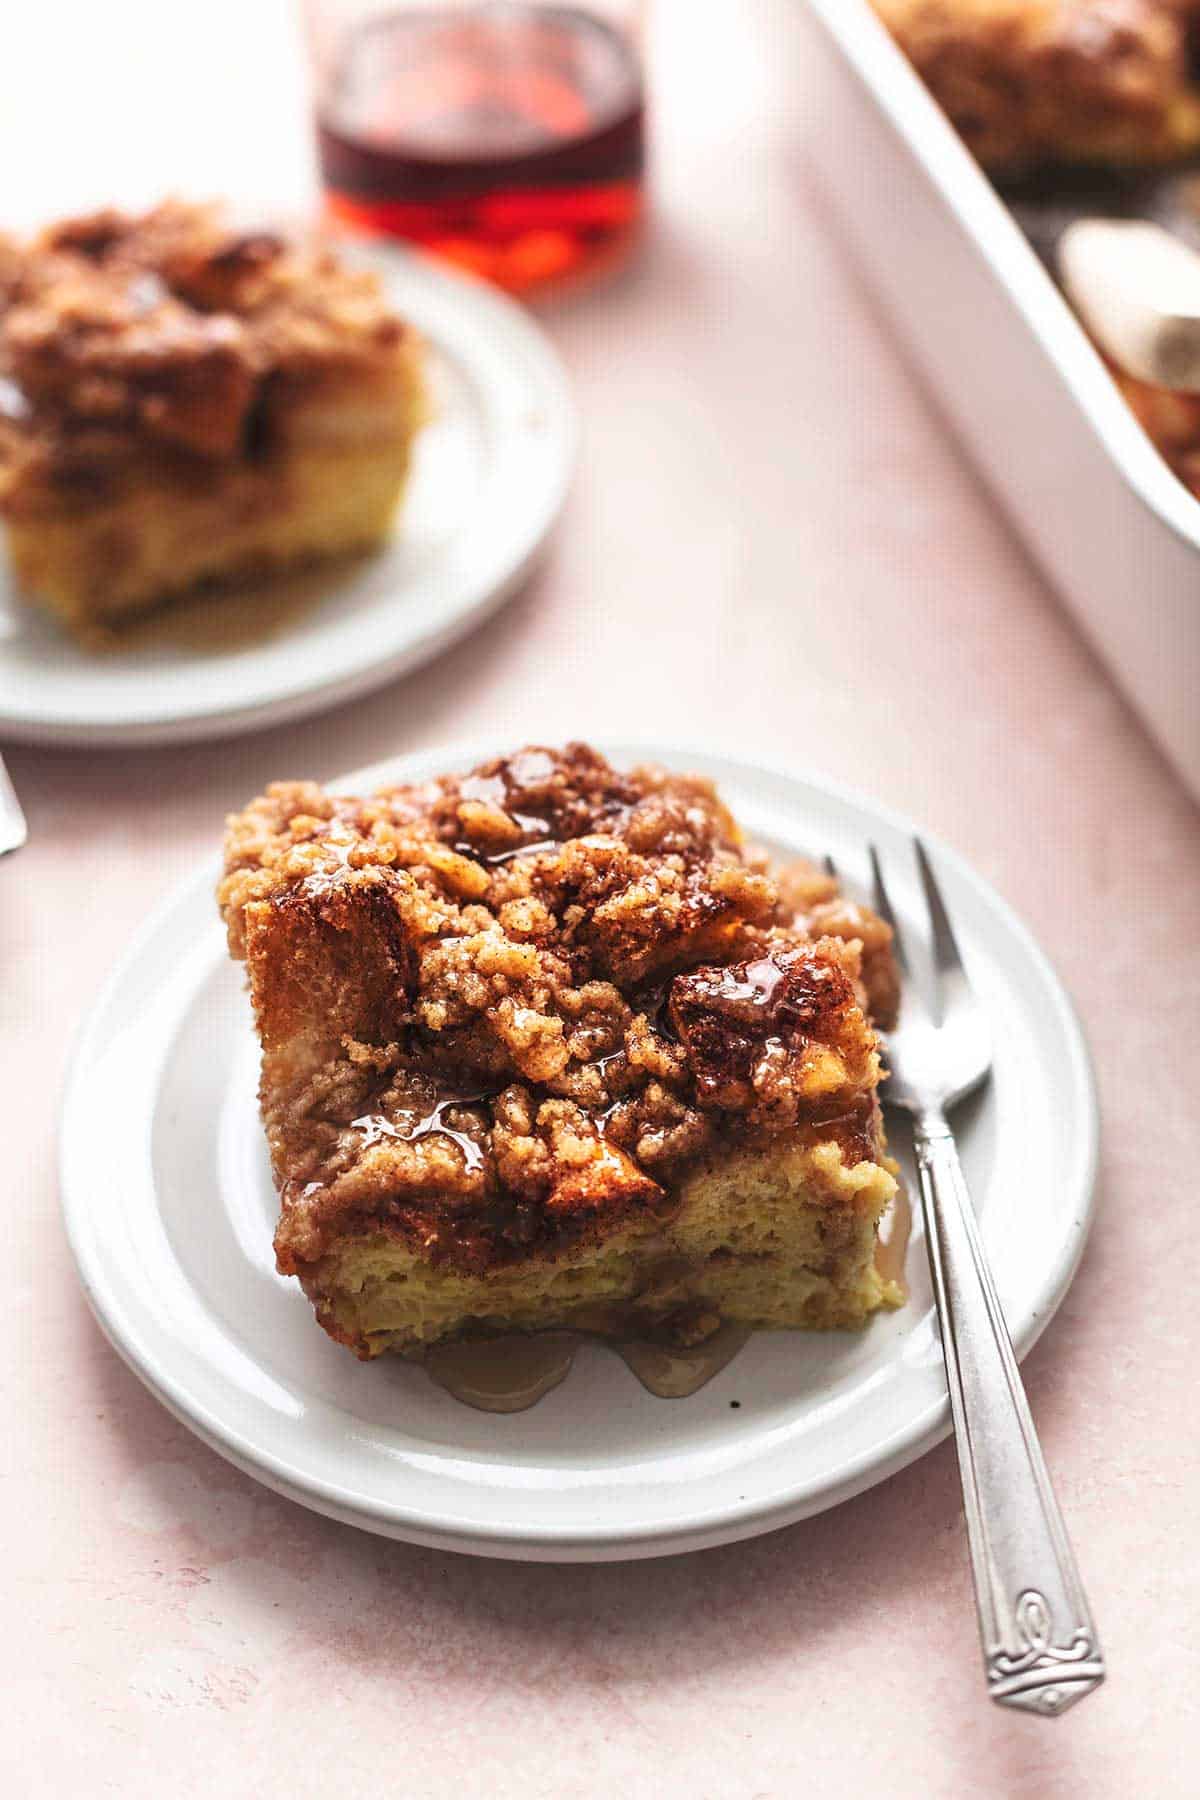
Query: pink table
point(772, 547)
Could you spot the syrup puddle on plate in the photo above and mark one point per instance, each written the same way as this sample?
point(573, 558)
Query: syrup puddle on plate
point(512, 1372)
point(504, 1374)
point(209, 620)
point(671, 1372)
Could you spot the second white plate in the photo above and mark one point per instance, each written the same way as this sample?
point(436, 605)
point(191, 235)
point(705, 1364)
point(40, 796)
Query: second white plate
point(490, 475)
point(170, 1211)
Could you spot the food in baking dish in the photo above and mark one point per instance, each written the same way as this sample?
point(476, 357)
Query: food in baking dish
point(1037, 84)
point(1030, 82)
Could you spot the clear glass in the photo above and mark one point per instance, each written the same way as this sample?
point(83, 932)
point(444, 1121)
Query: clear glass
point(507, 135)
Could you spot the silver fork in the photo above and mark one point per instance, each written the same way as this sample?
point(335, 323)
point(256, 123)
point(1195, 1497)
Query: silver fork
point(12, 819)
point(1040, 1649)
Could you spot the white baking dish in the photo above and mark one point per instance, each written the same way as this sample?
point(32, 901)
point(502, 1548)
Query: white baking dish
point(1112, 527)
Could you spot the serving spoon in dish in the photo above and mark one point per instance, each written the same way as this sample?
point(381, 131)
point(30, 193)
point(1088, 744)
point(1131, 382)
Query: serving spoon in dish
point(1126, 250)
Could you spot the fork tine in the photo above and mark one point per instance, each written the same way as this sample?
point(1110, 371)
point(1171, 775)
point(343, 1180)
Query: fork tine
point(883, 906)
point(946, 957)
point(831, 868)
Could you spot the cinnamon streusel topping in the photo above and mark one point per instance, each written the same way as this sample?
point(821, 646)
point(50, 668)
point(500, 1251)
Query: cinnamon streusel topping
point(504, 1010)
point(169, 337)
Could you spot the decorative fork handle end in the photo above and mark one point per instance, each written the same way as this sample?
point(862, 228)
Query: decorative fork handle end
point(1040, 1647)
point(1046, 1677)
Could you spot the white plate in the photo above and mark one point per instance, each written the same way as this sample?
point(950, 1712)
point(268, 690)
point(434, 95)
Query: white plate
point(489, 478)
point(170, 1212)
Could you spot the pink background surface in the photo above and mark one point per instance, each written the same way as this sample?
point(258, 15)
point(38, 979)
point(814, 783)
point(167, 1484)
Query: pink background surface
point(772, 545)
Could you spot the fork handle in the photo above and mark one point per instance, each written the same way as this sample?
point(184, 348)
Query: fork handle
point(1040, 1649)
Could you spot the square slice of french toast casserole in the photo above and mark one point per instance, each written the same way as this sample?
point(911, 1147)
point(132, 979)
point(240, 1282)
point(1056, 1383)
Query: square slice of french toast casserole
point(545, 1045)
point(182, 403)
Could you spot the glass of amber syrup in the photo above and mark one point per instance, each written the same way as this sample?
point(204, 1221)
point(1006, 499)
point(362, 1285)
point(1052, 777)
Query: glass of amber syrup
point(506, 135)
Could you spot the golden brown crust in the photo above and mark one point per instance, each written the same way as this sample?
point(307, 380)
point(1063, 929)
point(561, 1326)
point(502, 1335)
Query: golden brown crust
point(503, 1013)
point(1027, 82)
point(168, 344)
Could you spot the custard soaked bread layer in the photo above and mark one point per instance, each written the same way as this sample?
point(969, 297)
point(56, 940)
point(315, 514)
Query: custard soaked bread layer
point(544, 1044)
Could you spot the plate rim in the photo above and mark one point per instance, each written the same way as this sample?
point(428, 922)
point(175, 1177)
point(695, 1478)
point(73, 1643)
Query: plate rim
point(313, 693)
point(627, 1541)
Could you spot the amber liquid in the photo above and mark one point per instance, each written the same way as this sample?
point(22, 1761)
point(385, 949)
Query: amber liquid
point(513, 1372)
point(506, 137)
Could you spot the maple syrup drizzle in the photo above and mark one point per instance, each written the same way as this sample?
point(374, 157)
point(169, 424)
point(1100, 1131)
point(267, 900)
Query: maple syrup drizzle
point(505, 1374)
point(496, 859)
point(761, 978)
point(513, 1372)
point(600, 1119)
point(213, 621)
point(494, 790)
point(672, 1372)
point(504, 791)
point(375, 1127)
